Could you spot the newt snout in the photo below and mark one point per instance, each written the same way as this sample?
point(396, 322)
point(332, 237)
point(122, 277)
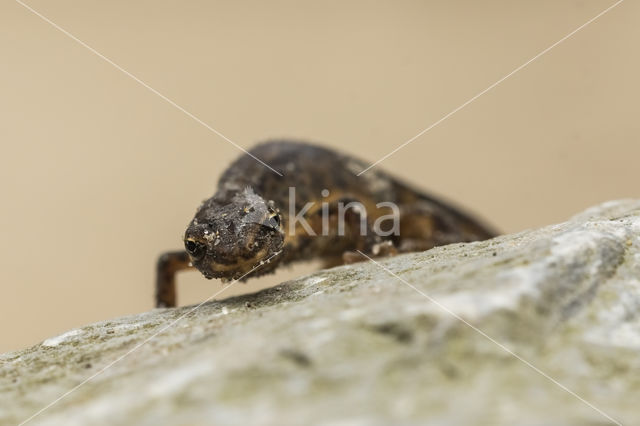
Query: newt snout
point(229, 241)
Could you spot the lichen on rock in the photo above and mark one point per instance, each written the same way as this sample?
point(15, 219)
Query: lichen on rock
point(357, 345)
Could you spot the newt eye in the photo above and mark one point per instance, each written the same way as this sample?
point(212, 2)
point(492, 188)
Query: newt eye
point(195, 249)
point(274, 221)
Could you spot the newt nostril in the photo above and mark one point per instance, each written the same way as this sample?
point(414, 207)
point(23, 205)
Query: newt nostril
point(194, 248)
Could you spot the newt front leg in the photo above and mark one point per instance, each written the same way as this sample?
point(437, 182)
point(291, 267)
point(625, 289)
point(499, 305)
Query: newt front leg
point(168, 265)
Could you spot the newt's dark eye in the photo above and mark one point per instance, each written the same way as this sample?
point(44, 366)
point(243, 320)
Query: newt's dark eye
point(274, 221)
point(195, 249)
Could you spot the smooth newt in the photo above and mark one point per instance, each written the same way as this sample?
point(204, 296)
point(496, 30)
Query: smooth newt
point(250, 225)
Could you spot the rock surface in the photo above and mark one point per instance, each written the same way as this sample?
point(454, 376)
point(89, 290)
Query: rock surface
point(355, 345)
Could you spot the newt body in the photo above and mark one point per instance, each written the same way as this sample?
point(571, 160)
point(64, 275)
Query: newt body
point(253, 224)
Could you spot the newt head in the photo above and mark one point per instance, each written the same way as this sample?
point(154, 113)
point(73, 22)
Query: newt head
point(229, 240)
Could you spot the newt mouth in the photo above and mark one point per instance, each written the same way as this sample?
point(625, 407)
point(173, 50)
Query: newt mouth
point(239, 269)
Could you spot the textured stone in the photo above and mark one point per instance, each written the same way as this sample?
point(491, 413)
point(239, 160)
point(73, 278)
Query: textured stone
point(355, 345)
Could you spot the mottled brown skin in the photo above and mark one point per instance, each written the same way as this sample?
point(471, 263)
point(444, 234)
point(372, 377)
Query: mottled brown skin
point(240, 230)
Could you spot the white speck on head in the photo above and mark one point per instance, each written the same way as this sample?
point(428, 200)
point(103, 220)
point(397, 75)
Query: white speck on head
point(225, 311)
point(55, 341)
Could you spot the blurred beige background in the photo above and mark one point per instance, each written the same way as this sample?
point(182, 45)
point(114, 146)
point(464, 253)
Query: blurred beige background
point(99, 175)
